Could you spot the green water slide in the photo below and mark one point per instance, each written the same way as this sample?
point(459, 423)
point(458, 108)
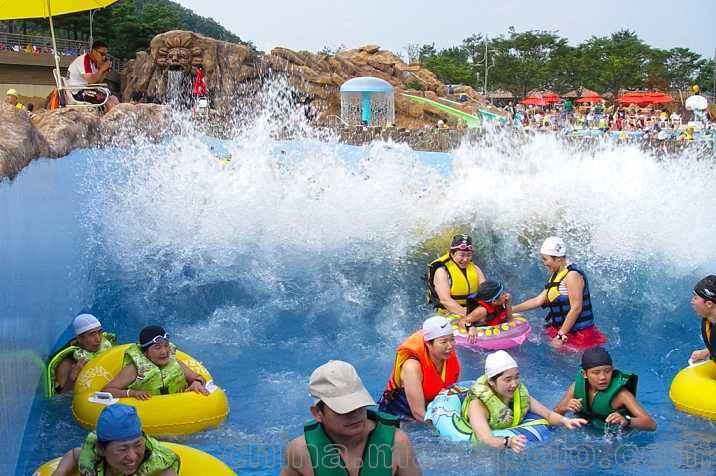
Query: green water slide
point(486, 115)
point(470, 120)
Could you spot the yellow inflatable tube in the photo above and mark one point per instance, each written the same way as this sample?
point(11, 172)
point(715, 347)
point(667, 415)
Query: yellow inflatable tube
point(175, 414)
point(193, 463)
point(693, 390)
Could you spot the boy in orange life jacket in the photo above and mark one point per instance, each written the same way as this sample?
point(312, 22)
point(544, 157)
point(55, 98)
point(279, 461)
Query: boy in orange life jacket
point(490, 307)
point(424, 364)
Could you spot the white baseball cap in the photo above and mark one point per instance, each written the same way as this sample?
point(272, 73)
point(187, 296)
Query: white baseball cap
point(498, 362)
point(337, 384)
point(436, 326)
point(84, 323)
point(553, 246)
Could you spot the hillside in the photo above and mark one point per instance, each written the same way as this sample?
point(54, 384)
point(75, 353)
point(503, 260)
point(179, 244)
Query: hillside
point(127, 26)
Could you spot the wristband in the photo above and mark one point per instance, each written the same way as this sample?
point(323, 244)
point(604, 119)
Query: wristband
point(562, 337)
point(507, 442)
point(628, 421)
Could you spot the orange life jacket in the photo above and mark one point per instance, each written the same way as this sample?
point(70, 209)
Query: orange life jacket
point(414, 348)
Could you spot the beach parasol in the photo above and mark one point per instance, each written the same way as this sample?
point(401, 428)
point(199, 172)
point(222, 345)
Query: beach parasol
point(20, 10)
point(645, 97)
point(534, 101)
point(589, 96)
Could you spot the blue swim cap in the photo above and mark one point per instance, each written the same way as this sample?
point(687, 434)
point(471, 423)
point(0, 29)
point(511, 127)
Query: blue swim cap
point(118, 422)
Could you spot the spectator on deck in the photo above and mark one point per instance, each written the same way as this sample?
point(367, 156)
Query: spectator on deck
point(91, 68)
point(11, 98)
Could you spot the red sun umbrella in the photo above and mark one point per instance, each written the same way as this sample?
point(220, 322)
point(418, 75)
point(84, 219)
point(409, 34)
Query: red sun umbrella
point(534, 101)
point(551, 97)
point(645, 97)
point(589, 96)
point(661, 98)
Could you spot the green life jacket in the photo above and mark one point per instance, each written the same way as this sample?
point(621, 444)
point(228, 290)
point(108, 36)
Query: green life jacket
point(157, 457)
point(150, 377)
point(501, 416)
point(108, 340)
point(601, 406)
point(377, 457)
point(73, 350)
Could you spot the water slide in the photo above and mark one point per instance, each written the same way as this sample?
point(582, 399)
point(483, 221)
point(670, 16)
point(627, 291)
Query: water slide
point(470, 120)
point(486, 115)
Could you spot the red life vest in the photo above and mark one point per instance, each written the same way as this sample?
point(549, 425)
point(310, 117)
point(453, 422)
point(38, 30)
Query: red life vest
point(496, 314)
point(414, 348)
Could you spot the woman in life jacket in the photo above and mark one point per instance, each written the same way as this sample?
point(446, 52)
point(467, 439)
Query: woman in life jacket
point(566, 297)
point(65, 365)
point(119, 446)
point(604, 395)
point(151, 368)
point(498, 400)
point(424, 364)
point(453, 278)
point(491, 308)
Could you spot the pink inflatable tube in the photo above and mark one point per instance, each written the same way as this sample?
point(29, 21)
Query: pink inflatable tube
point(503, 336)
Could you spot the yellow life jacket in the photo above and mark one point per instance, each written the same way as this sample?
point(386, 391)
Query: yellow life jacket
point(464, 283)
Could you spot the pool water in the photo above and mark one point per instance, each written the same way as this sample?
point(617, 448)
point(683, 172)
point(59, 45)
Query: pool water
point(296, 252)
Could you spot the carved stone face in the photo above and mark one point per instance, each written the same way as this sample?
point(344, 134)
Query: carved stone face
point(177, 53)
point(178, 57)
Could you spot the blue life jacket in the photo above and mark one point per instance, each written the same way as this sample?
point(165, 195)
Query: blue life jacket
point(558, 304)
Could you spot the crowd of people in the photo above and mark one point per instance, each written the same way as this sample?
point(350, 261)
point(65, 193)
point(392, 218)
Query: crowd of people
point(41, 49)
point(346, 427)
point(647, 121)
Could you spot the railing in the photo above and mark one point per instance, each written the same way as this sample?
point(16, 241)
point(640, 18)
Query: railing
point(31, 44)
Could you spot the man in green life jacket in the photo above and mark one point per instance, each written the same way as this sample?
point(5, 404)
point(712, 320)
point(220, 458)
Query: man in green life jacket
point(66, 364)
point(151, 368)
point(604, 395)
point(704, 303)
point(345, 438)
point(118, 446)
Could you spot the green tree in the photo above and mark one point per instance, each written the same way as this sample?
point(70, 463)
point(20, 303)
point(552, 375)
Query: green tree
point(616, 62)
point(474, 47)
point(427, 51)
point(451, 66)
point(683, 66)
point(525, 60)
point(705, 78)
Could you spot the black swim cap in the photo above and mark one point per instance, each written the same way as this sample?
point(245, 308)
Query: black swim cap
point(149, 333)
point(706, 288)
point(461, 242)
point(489, 291)
point(596, 357)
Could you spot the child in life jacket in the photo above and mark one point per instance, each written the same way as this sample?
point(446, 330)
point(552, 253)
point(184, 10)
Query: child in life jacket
point(605, 396)
point(490, 307)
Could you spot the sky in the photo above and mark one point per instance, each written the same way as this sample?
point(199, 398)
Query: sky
point(392, 24)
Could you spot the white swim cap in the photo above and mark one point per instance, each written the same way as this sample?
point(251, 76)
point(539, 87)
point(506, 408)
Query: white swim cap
point(553, 246)
point(498, 362)
point(84, 323)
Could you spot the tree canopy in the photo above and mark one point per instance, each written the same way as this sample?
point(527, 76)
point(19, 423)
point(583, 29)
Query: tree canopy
point(538, 59)
point(127, 26)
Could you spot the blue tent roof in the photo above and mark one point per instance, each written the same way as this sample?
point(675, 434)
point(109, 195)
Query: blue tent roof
point(366, 84)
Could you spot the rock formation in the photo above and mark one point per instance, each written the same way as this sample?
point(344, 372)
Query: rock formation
point(233, 74)
point(56, 133)
point(19, 142)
